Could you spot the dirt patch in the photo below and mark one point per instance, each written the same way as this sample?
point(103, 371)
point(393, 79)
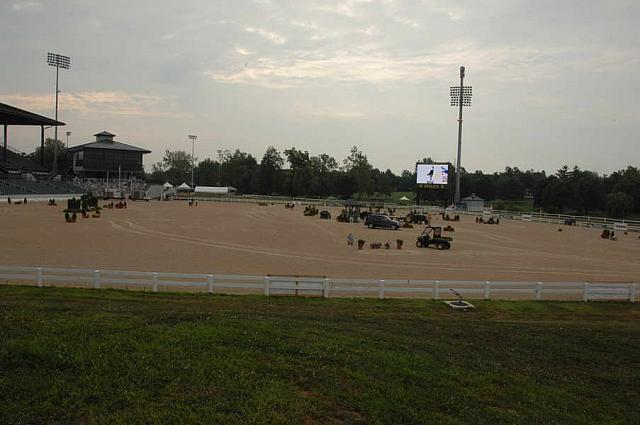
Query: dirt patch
point(249, 239)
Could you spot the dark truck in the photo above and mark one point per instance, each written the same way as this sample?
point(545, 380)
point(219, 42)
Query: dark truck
point(381, 220)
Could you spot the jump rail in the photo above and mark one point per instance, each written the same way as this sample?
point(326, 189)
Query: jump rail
point(317, 286)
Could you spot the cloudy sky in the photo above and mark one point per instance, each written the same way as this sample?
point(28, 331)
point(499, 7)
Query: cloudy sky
point(554, 82)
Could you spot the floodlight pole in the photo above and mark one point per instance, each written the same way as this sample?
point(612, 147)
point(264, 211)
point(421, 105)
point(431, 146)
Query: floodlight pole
point(54, 59)
point(68, 134)
point(456, 198)
point(54, 170)
point(219, 167)
point(193, 143)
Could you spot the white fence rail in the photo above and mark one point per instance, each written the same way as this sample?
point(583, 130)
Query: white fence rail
point(318, 286)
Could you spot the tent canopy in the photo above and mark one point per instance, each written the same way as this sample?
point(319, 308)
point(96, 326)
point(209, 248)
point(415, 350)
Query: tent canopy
point(167, 185)
point(215, 189)
point(184, 186)
point(404, 198)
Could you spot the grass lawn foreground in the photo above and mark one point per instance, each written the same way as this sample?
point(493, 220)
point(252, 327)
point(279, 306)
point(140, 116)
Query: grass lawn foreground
point(86, 356)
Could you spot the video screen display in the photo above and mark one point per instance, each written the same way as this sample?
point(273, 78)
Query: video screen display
point(434, 174)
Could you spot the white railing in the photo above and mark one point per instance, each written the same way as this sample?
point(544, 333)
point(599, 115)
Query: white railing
point(317, 286)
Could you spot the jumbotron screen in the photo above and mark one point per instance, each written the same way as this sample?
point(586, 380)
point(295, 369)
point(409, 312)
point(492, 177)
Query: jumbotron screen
point(432, 174)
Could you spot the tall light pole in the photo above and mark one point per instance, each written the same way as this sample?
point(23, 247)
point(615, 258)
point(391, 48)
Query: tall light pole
point(193, 143)
point(64, 62)
point(460, 96)
point(68, 134)
point(219, 166)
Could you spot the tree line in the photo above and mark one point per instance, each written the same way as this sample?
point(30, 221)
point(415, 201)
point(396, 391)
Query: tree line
point(567, 190)
point(306, 175)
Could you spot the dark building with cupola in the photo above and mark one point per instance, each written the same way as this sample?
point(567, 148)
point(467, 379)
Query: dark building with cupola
point(105, 155)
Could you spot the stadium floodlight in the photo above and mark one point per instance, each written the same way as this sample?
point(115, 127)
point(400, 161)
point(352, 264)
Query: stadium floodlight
point(460, 96)
point(64, 62)
point(193, 142)
point(454, 92)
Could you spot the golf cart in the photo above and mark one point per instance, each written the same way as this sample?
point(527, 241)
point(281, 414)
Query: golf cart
point(433, 236)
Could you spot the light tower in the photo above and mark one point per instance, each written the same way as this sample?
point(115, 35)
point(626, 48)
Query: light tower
point(64, 62)
point(219, 167)
point(460, 96)
point(193, 143)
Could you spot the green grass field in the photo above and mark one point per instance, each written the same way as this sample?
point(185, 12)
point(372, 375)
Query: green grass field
point(85, 356)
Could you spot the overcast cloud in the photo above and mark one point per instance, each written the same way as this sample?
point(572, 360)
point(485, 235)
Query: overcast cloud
point(554, 82)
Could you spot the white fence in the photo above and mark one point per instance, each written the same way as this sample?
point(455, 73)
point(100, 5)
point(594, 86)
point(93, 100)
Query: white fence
point(317, 286)
point(585, 221)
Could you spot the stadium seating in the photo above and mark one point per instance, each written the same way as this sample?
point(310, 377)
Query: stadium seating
point(17, 161)
point(9, 187)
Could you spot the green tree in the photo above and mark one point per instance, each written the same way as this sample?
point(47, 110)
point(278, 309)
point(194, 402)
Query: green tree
point(619, 204)
point(323, 169)
point(590, 192)
point(357, 165)
point(268, 177)
point(238, 169)
point(626, 181)
point(207, 172)
point(64, 160)
point(175, 167)
point(300, 176)
point(509, 186)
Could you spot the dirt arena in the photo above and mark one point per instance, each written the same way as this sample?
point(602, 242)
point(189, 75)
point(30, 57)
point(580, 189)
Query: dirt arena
point(250, 239)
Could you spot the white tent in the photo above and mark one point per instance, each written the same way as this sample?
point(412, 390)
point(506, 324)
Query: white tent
point(404, 199)
point(167, 185)
point(220, 190)
point(184, 186)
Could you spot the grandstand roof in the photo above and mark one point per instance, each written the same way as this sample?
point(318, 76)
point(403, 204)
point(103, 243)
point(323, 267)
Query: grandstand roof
point(10, 115)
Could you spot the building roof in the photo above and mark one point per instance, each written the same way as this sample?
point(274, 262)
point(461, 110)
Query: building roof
point(105, 133)
point(473, 197)
point(10, 115)
point(104, 140)
point(115, 146)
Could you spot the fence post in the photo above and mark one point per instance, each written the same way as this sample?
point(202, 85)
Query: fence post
point(325, 288)
point(96, 279)
point(39, 279)
point(539, 291)
point(632, 292)
point(381, 289)
point(436, 291)
point(585, 296)
point(156, 283)
point(487, 290)
point(210, 283)
point(267, 285)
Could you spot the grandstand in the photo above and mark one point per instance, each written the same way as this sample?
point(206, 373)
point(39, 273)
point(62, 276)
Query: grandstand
point(13, 187)
point(17, 166)
point(20, 174)
point(17, 163)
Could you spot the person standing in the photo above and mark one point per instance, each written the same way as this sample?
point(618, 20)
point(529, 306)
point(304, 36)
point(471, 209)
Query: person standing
point(350, 239)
